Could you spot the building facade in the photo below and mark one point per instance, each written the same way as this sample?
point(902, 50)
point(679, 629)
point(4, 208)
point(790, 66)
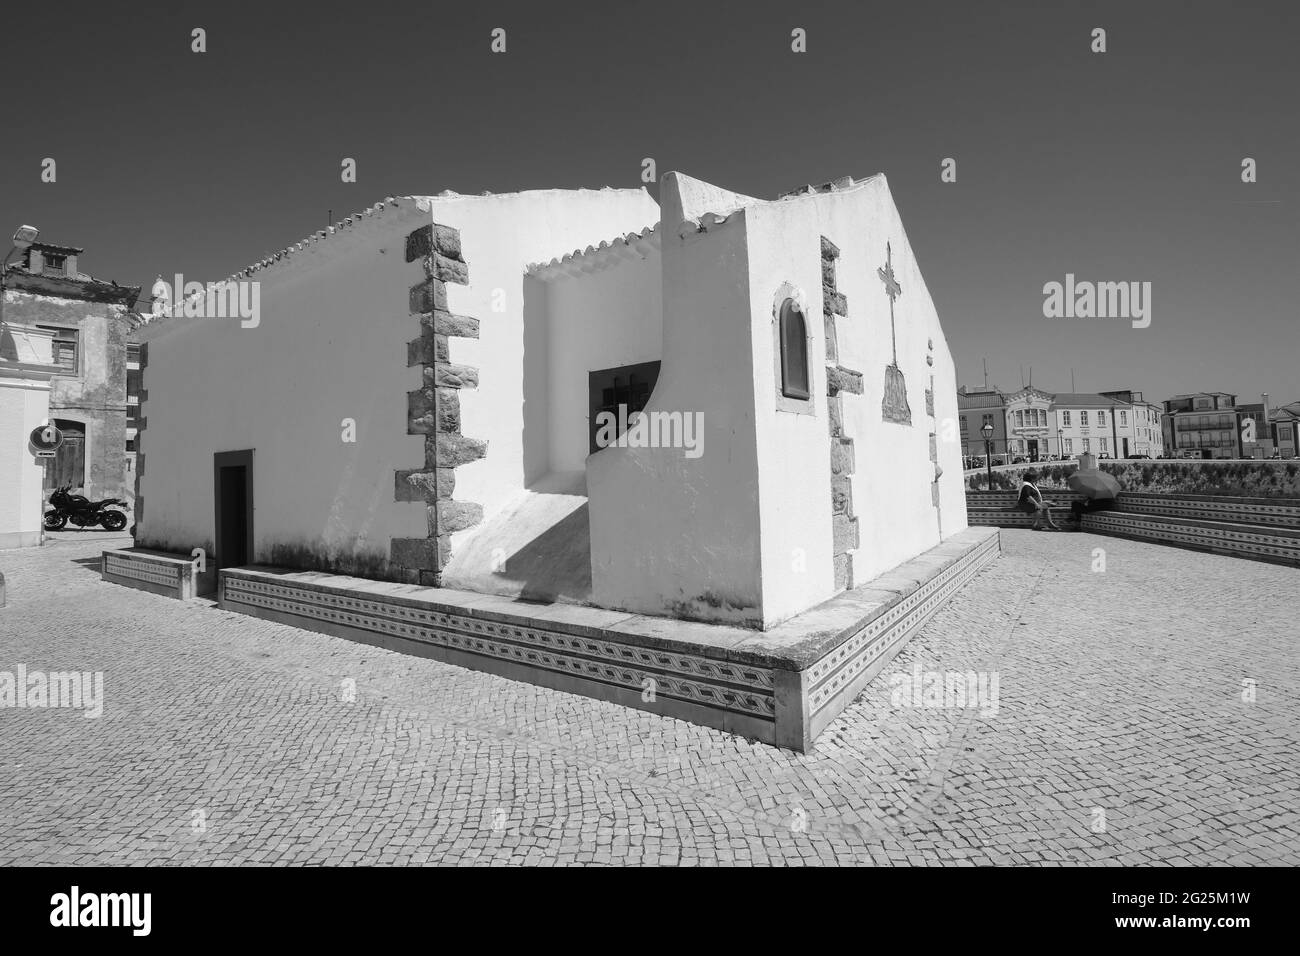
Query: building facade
point(1202, 425)
point(1285, 421)
point(1088, 423)
point(89, 322)
point(1138, 428)
point(459, 349)
point(976, 408)
point(1028, 426)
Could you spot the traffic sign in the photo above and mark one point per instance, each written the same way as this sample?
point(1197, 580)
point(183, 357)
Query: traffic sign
point(45, 439)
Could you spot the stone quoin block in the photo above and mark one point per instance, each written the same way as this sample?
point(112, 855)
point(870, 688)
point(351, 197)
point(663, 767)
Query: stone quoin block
point(840, 379)
point(421, 351)
point(429, 485)
point(841, 495)
point(448, 517)
point(441, 350)
point(448, 410)
point(843, 571)
point(448, 323)
point(846, 533)
point(828, 277)
point(429, 296)
point(431, 239)
point(454, 450)
point(421, 407)
point(837, 304)
point(419, 243)
point(450, 375)
point(842, 456)
point(829, 249)
point(832, 340)
point(447, 270)
point(835, 408)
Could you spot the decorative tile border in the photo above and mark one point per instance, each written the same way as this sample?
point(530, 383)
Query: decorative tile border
point(596, 666)
point(1282, 513)
point(832, 682)
point(173, 576)
point(766, 691)
point(433, 410)
point(1256, 542)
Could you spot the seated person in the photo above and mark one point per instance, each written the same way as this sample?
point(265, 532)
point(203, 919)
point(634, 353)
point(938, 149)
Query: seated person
point(1089, 505)
point(1031, 502)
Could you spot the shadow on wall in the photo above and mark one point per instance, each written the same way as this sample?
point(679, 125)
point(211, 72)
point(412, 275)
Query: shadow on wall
point(537, 548)
point(550, 567)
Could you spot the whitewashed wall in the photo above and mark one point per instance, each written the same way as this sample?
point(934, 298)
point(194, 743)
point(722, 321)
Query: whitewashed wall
point(24, 405)
point(605, 319)
point(332, 345)
point(893, 471)
point(672, 535)
point(500, 237)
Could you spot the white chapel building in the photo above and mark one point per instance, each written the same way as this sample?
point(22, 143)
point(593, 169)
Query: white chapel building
point(716, 408)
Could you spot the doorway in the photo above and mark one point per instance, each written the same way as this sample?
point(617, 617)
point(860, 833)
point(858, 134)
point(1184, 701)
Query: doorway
point(233, 496)
point(68, 466)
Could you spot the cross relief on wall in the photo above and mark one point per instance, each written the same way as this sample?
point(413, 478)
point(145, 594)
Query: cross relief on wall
point(893, 407)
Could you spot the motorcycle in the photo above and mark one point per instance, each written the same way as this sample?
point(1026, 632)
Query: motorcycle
point(83, 512)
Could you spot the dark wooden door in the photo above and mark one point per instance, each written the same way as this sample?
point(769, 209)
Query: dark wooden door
point(233, 498)
point(68, 466)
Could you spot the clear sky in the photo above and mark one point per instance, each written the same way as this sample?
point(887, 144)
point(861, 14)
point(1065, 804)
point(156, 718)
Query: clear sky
point(1119, 166)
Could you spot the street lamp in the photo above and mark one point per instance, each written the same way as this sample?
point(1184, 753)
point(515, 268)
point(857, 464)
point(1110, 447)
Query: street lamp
point(23, 239)
point(987, 431)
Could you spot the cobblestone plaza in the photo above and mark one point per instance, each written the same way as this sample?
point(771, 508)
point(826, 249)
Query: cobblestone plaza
point(1145, 715)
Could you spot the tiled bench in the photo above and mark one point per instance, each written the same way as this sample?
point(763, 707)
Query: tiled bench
point(172, 575)
point(1256, 541)
point(1274, 512)
point(992, 509)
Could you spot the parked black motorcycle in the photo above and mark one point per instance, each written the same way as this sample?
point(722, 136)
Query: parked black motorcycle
point(83, 512)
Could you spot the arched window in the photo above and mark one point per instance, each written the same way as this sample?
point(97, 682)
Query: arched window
point(794, 351)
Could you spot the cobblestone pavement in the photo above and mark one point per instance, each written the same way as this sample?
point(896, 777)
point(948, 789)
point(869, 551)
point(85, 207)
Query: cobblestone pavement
point(1123, 735)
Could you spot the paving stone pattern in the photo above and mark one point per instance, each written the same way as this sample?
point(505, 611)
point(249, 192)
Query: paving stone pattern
point(227, 739)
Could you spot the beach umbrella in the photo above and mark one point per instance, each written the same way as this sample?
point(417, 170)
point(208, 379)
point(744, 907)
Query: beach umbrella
point(1093, 483)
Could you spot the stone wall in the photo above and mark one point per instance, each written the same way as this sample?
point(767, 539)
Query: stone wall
point(433, 410)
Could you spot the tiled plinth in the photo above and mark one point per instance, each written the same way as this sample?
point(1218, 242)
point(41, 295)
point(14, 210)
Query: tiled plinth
point(172, 575)
point(780, 686)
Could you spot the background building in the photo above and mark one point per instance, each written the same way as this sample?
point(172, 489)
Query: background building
point(1137, 427)
point(1286, 430)
point(89, 322)
point(1088, 422)
point(974, 408)
point(1029, 429)
point(1202, 425)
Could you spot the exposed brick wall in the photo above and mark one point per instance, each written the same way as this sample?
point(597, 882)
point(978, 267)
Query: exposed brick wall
point(433, 410)
point(844, 525)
